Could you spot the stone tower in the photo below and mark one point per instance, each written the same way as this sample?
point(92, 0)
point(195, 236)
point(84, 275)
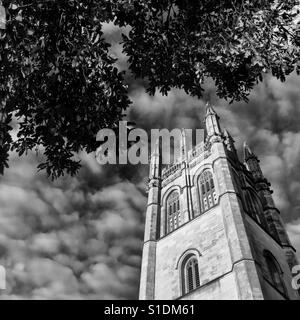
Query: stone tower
point(212, 229)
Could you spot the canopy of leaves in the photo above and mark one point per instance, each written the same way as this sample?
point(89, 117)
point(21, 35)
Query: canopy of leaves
point(180, 43)
point(58, 79)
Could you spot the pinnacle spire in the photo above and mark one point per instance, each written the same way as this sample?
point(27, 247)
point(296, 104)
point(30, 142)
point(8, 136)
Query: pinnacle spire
point(227, 134)
point(248, 152)
point(229, 140)
point(155, 151)
point(252, 163)
point(155, 164)
point(212, 121)
point(210, 110)
point(184, 147)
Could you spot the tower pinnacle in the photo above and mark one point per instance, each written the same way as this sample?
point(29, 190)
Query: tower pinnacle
point(210, 110)
point(248, 153)
point(212, 121)
point(252, 163)
point(155, 164)
point(229, 141)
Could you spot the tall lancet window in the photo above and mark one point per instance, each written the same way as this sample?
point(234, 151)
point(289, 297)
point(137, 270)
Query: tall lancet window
point(190, 274)
point(173, 211)
point(208, 195)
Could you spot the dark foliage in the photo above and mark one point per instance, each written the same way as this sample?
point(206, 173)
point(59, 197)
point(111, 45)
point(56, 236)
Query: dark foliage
point(60, 83)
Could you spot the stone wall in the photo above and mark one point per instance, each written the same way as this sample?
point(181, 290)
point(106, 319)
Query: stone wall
point(261, 241)
point(205, 234)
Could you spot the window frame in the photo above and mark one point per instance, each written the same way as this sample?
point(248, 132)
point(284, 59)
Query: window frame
point(173, 216)
point(207, 191)
point(185, 281)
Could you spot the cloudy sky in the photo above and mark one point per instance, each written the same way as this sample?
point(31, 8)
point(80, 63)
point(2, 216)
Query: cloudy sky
point(82, 237)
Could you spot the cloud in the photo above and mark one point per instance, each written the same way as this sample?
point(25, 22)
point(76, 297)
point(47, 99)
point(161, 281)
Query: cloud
point(113, 35)
point(69, 239)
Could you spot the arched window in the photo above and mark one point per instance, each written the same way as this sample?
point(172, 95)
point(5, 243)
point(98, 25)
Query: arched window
point(275, 273)
point(190, 274)
point(208, 195)
point(173, 211)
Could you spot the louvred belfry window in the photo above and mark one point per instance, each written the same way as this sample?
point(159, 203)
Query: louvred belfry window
point(191, 279)
point(173, 211)
point(208, 195)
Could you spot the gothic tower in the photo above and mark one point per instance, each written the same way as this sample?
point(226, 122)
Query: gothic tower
point(212, 229)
